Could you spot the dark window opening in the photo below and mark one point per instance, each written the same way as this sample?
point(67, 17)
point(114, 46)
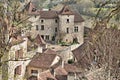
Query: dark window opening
point(42, 27)
point(66, 10)
point(53, 38)
point(34, 9)
point(47, 37)
point(34, 71)
point(67, 30)
point(66, 40)
point(37, 27)
point(56, 21)
point(68, 21)
point(76, 29)
point(42, 36)
point(18, 70)
point(75, 40)
point(42, 21)
point(55, 29)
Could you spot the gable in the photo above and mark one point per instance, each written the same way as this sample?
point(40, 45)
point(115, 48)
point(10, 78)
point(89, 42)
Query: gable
point(66, 11)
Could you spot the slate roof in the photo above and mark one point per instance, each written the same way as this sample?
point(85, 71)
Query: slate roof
point(41, 60)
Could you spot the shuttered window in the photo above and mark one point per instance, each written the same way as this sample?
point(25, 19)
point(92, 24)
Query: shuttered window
point(19, 54)
point(18, 70)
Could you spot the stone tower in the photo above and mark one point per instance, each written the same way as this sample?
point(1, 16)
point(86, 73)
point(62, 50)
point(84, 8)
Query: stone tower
point(66, 22)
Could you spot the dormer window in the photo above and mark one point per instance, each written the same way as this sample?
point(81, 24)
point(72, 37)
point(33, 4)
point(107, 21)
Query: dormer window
point(66, 10)
point(33, 10)
point(34, 72)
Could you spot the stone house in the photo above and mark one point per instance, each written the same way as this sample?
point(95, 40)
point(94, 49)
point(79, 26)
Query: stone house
point(41, 62)
point(22, 48)
point(16, 64)
point(64, 25)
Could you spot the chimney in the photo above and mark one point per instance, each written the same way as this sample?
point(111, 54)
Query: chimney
point(63, 64)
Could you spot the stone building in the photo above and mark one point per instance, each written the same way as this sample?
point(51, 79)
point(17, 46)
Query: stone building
point(64, 25)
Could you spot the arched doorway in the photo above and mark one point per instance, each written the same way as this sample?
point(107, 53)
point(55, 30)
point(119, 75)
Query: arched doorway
point(75, 40)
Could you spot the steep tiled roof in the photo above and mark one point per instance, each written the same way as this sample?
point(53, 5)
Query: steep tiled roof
point(16, 39)
point(66, 11)
point(41, 60)
point(48, 14)
point(46, 75)
point(78, 17)
point(39, 40)
point(31, 9)
point(60, 71)
point(81, 56)
point(71, 68)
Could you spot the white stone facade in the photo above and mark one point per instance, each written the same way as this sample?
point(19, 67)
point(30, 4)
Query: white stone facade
point(63, 27)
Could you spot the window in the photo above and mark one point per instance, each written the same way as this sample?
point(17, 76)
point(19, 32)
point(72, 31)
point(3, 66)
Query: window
point(37, 27)
point(42, 21)
point(56, 21)
point(42, 27)
point(42, 36)
point(34, 71)
point(19, 54)
point(53, 38)
point(34, 9)
point(18, 70)
point(67, 30)
point(56, 29)
point(67, 20)
point(76, 29)
point(47, 37)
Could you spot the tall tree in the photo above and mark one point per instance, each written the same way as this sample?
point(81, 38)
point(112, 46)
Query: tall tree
point(11, 15)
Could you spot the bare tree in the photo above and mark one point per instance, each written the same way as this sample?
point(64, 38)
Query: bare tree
point(11, 15)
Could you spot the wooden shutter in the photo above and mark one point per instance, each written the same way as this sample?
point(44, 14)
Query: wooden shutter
point(18, 70)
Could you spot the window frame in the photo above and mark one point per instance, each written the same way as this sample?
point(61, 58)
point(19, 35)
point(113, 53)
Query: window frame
point(37, 27)
point(42, 27)
point(67, 30)
point(47, 37)
point(76, 29)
